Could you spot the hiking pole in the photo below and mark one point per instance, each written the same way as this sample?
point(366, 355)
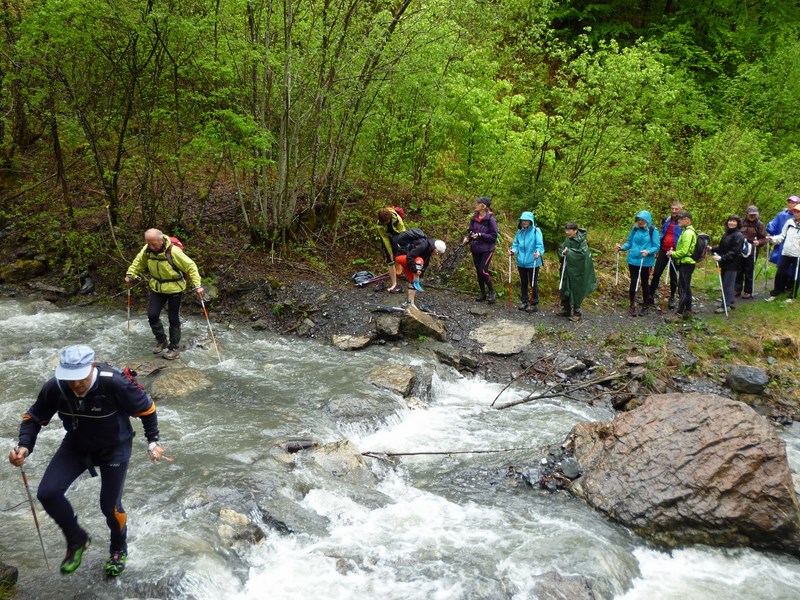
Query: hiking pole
point(722, 290)
point(796, 270)
point(563, 270)
point(664, 289)
point(616, 271)
point(509, 281)
point(766, 266)
point(638, 278)
point(129, 310)
point(33, 511)
point(210, 331)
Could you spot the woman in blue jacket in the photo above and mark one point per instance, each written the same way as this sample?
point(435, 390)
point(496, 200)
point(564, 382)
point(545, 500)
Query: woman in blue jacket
point(642, 245)
point(528, 246)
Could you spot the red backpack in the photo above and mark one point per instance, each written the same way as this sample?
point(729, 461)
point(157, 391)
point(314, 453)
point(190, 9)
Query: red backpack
point(400, 212)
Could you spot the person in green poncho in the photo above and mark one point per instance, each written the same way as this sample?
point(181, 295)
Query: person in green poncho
point(577, 272)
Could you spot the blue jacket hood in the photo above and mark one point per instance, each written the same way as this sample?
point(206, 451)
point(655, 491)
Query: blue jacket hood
point(526, 216)
point(644, 214)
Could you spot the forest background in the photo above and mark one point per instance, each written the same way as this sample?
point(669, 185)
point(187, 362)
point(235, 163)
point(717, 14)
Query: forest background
point(269, 132)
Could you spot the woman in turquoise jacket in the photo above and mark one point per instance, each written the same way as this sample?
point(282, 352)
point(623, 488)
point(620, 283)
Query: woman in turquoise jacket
point(528, 247)
point(642, 245)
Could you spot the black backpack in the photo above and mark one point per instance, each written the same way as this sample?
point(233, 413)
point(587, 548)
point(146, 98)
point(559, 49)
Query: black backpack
point(701, 247)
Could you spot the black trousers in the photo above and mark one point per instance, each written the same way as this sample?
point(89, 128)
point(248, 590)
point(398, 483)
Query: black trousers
point(662, 260)
point(640, 274)
point(529, 279)
point(744, 277)
point(685, 288)
point(154, 308)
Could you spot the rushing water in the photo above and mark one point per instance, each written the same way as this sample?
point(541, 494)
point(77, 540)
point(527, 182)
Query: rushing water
point(432, 527)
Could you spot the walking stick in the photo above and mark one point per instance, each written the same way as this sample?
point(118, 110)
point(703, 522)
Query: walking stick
point(722, 290)
point(33, 511)
point(563, 270)
point(796, 270)
point(766, 267)
point(638, 278)
point(210, 331)
point(616, 271)
point(509, 282)
point(666, 280)
point(129, 310)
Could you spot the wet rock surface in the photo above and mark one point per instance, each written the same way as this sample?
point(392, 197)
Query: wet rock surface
point(690, 468)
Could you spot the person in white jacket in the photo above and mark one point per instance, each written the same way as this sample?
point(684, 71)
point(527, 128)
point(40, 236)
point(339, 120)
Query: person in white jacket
point(790, 256)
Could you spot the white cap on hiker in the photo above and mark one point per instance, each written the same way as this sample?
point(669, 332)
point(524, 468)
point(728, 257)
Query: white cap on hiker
point(440, 246)
point(75, 363)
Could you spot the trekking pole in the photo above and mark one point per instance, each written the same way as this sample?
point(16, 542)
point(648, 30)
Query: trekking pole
point(563, 270)
point(129, 310)
point(33, 511)
point(796, 271)
point(638, 278)
point(616, 271)
point(210, 331)
point(722, 290)
point(509, 281)
point(766, 266)
point(664, 289)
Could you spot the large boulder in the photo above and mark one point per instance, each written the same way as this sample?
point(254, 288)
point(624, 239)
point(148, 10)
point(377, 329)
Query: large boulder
point(690, 468)
point(176, 382)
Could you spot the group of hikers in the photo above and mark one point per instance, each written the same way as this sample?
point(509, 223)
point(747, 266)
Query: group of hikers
point(674, 247)
point(95, 403)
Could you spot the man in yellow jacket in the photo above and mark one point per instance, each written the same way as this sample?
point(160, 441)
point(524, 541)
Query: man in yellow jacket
point(168, 267)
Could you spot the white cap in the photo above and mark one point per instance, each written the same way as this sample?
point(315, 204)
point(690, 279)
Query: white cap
point(75, 363)
point(440, 246)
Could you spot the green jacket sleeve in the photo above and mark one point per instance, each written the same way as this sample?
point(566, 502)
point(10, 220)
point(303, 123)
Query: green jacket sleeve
point(139, 264)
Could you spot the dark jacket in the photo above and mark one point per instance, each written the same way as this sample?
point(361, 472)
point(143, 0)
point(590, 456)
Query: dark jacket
point(754, 231)
point(730, 249)
point(486, 228)
point(413, 243)
point(98, 422)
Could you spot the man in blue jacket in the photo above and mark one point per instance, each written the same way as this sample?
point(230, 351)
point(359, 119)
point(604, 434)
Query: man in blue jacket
point(95, 405)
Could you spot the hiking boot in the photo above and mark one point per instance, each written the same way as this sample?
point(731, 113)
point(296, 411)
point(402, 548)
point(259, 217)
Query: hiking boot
point(491, 297)
point(644, 310)
point(481, 298)
point(746, 296)
point(671, 303)
point(523, 306)
point(398, 289)
point(632, 311)
point(533, 308)
point(575, 317)
point(721, 310)
point(115, 564)
point(160, 347)
point(172, 354)
point(577, 312)
point(75, 551)
point(564, 312)
point(771, 299)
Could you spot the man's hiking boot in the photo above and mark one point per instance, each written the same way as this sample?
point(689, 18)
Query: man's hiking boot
point(160, 347)
point(491, 297)
point(523, 306)
point(172, 354)
point(564, 312)
point(115, 564)
point(746, 296)
point(671, 303)
point(644, 310)
point(632, 311)
point(75, 551)
point(481, 298)
point(533, 308)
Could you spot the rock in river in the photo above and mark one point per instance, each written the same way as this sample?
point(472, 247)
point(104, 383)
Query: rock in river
point(690, 468)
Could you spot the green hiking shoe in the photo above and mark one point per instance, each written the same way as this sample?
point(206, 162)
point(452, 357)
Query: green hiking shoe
point(74, 555)
point(115, 564)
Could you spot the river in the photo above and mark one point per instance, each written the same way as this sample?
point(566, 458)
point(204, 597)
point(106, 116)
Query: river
point(432, 527)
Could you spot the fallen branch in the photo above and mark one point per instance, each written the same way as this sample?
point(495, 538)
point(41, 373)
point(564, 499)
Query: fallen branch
point(374, 454)
point(605, 378)
point(528, 368)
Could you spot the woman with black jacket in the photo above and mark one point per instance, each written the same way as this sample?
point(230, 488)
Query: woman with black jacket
point(729, 259)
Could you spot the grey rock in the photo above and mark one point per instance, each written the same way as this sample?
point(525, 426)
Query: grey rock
point(8, 576)
point(397, 378)
point(570, 468)
point(415, 323)
point(351, 342)
point(504, 337)
point(568, 364)
point(749, 380)
point(554, 586)
point(388, 326)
